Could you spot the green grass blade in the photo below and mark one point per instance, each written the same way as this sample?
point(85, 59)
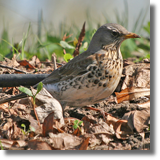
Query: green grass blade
point(10, 45)
point(25, 36)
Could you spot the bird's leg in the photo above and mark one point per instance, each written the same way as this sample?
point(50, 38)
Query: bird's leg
point(63, 107)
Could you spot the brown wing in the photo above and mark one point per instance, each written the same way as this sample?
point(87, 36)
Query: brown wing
point(75, 67)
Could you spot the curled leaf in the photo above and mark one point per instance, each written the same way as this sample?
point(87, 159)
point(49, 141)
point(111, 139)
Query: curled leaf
point(131, 93)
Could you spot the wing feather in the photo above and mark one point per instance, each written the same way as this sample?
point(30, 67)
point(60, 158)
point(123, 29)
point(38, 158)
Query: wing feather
point(75, 67)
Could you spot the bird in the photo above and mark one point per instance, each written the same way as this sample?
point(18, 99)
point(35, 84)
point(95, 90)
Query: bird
point(93, 75)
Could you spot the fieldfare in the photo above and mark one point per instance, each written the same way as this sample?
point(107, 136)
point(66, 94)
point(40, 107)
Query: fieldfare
point(91, 76)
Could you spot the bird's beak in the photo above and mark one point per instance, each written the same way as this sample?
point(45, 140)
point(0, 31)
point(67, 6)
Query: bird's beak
point(131, 35)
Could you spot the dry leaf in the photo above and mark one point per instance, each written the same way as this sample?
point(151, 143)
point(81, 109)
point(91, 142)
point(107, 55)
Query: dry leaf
point(120, 127)
point(47, 104)
point(26, 64)
point(138, 120)
point(144, 105)
point(10, 129)
point(84, 144)
point(38, 145)
point(80, 39)
point(77, 132)
point(34, 124)
point(19, 143)
point(11, 63)
point(51, 125)
point(89, 118)
point(136, 75)
point(35, 62)
point(70, 120)
point(131, 93)
point(64, 141)
point(8, 144)
point(5, 108)
point(88, 122)
point(14, 61)
point(68, 127)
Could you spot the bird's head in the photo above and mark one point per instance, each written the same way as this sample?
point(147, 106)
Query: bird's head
point(110, 34)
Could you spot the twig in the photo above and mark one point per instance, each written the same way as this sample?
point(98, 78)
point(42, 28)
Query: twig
point(32, 103)
point(54, 61)
point(18, 70)
point(65, 37)
point(34, 108)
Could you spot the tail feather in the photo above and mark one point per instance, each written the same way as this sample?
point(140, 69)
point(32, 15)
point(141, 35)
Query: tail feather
point(19, 96)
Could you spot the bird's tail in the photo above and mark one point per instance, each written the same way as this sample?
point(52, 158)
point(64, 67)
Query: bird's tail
point(19, 96)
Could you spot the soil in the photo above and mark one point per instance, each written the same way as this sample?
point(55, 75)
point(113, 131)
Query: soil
point(133, 142)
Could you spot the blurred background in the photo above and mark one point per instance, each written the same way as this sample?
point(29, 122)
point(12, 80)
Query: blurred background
point(37, 27)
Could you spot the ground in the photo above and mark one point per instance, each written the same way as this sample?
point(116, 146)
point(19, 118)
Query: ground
point(127, 127)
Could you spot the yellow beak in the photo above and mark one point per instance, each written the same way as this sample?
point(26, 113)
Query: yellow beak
point(131, 35)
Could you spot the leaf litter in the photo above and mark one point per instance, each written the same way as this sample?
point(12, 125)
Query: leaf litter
point(126, 127)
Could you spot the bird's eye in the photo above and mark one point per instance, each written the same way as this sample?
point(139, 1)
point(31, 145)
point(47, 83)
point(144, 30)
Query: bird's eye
point(115, 33)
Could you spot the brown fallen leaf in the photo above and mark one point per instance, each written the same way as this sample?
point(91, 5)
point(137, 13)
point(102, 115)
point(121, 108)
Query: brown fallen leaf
point(84, 144)
point(11, 130)
point(34, 124)
point(80, 39)
point(5, 108)
point(68, 126)
point(121, 128)
point(11, 63)
point(138, 120)
point(51, 125)
point(136, 75)
point(64, 141)
point(26, 64)
point(38, 145)
point(35, 62)
point(6, 144)
point(47, 104)
point(12, 144)
point(14, 61)
point(77, 132)
point(88, 122)
point(144, 105)
point(70, 120)
point(132, 93)
point(89, 118)
point(19, 143)
point(10, 90)
point(100, 133)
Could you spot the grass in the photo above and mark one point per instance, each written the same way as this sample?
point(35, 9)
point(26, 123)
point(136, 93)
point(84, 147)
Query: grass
point(43, 46)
